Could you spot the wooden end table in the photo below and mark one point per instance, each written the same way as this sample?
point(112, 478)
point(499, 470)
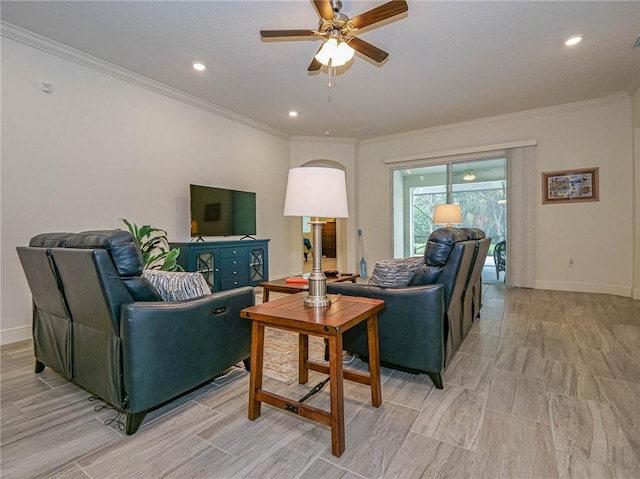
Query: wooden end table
point(281, 285)
point(289, 313)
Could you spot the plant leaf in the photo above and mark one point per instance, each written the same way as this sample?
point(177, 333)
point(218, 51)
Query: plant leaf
point(154, 246)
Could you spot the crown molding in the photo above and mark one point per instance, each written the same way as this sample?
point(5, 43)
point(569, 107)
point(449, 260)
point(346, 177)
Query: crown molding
point(634, 85)
point(550, 110)
point(60, 50)
point(324, 139)
point(462, 151)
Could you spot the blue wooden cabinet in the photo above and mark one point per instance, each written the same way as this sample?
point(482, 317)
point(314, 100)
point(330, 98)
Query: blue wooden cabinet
point(227, 264)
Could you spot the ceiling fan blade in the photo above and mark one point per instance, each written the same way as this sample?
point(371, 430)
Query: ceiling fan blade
point(286, 33)
point(315, 65)
point(367, 49)
point(324, 8)
point(380, 13)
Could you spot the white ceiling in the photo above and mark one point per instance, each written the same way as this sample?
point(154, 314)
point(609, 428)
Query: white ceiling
point(448, 62)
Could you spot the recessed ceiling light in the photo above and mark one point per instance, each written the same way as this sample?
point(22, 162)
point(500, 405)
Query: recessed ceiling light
point(199, 66)
point(293, 113)
point(573, 40)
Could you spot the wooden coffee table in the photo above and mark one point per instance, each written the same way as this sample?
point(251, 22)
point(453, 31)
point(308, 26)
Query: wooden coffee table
point(281, 285)
point(290, 313)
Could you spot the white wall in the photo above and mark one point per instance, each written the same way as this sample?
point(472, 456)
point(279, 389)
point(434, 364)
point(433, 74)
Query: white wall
point(598, 235)
point(342, 151)
point(98, 149)
point(635, 125)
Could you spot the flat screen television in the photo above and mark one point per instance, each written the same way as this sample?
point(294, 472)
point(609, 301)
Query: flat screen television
point(221, 212)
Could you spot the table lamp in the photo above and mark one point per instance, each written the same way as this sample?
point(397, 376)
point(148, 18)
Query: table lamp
point(320, 193)
point(447, 214)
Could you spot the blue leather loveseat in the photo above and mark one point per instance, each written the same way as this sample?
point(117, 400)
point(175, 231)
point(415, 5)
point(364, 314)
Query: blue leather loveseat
point(101, 324)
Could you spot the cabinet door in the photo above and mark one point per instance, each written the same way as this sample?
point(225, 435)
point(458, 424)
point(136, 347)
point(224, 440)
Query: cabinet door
point(205, 263)
point(257, 265)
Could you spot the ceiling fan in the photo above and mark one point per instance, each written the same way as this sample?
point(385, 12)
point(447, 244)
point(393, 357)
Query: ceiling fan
point(339, 32)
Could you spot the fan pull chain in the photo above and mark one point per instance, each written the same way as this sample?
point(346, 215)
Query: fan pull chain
point(330, 83)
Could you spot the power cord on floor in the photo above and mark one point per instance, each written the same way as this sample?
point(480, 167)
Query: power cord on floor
point(109, 421)
point(233, 368)
point(347, 357)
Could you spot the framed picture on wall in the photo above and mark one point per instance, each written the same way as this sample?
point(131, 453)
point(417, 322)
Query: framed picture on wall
point(570, 186)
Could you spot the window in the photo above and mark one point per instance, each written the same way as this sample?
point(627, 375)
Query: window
point(479, 186)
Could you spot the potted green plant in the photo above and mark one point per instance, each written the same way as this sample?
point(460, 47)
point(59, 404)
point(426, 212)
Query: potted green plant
point(154, 245)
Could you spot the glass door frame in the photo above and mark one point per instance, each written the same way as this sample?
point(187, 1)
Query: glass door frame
point(403, 221)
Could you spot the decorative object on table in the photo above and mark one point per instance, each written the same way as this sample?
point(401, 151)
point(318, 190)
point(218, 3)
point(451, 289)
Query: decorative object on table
point(448, 214)
point(331, 272)
point(320, 193)
point(569, 186)
point(154, 245)
point(297, 279)
point(363, 263)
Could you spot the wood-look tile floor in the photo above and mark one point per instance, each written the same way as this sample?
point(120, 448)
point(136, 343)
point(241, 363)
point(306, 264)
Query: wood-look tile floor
point(547, 384)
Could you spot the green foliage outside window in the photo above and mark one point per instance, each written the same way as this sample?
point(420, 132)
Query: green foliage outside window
point(480, 209)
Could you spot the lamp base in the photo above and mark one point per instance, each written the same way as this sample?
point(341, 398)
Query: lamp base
point(317, 301)
point(317, 297)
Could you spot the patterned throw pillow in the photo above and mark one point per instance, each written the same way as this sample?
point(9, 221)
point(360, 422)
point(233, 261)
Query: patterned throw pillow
point(395, 273)
point(177, 286)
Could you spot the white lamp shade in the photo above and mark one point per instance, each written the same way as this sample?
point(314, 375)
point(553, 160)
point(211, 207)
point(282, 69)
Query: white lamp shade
point(316, 191)
point(447, 214)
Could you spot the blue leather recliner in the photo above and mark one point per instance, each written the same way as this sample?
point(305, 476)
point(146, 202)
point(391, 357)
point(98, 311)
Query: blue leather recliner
point(422, 325)
point(101, 324)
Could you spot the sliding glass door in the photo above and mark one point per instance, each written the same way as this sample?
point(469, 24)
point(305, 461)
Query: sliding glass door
point(479, 187)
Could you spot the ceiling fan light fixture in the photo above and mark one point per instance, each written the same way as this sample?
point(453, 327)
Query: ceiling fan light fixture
point(199, 66)
point(336, 53)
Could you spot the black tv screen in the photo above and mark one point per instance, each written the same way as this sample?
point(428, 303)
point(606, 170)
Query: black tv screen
point(222, 212)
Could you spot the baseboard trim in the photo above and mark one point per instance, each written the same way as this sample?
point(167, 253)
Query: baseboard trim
point(584, 288)
point(636, 294)
point(14, 335)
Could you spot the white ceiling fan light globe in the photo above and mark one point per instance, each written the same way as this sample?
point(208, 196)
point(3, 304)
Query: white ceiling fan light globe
point(337, 53)
point(327, 52)
point(344, 53)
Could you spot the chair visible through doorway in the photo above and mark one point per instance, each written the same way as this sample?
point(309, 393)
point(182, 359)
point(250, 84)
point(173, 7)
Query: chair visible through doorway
point(500, 258)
